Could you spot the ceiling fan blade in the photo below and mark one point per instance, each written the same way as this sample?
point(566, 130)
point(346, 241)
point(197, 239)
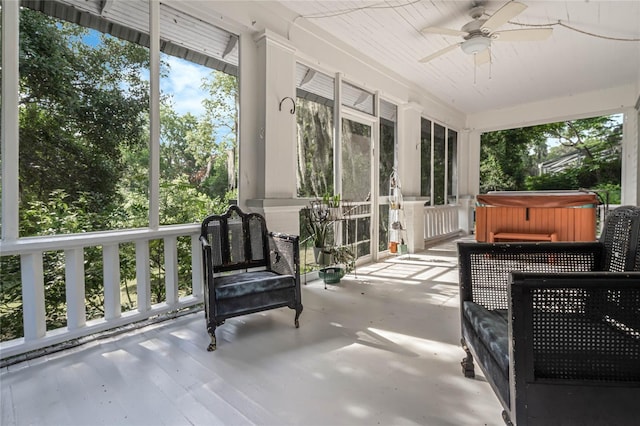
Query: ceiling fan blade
point(482, 57)
point(443, 31)
point(529, 34)
point(440, 53)
point(502, 16)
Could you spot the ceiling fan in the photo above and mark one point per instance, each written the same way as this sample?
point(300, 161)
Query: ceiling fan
point(479, 33)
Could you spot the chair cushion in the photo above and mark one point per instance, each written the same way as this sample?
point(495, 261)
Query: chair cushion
point(244, 283)
point(492, 329)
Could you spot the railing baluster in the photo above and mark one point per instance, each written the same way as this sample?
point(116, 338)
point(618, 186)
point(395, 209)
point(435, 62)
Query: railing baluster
point(171, 269)
point(196, 267)
point(33, 310)
point(143, 276)
point(74, 285)
point(440, 221)
point(111, 273)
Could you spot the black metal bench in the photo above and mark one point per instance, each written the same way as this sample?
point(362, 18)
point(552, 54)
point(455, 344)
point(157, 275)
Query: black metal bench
point(555, 327)
point(247, 268)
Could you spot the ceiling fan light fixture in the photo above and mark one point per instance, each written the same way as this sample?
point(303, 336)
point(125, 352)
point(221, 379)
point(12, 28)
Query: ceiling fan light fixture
point(475, 45)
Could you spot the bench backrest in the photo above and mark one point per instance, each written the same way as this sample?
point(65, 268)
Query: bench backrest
point(621, 239)
point(238, 240)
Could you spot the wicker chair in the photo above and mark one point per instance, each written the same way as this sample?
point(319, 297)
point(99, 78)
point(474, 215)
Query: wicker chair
point(247, 269)
point(555, 327)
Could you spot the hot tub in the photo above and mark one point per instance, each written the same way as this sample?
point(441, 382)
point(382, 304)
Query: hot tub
point(559, 215)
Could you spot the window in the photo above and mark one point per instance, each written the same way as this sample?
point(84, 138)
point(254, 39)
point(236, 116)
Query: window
point(388, 161)
point(84, 129)
point(388, 154)
point(84, 97)
point(439, 164)
point(199, 118)
point(425, 157)
point(452, 166)
point(438, 176)
point(314, 119)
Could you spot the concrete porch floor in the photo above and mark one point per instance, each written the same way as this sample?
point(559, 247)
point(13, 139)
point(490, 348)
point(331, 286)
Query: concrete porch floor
point(379, 348)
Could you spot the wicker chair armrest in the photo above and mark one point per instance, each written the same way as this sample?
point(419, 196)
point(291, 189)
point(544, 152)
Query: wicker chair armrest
point(484, 267)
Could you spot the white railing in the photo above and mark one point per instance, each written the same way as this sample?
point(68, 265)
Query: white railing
point(30, 250)
point(440, 221)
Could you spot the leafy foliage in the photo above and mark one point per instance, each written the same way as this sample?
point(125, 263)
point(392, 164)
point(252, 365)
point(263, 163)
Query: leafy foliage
point(79, 107)
point(509, 158)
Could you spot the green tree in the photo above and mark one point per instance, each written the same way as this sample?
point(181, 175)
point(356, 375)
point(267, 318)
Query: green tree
point(505, 158)
point(80, 106)
point(509, 158)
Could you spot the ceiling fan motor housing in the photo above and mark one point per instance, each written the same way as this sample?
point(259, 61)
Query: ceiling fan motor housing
point(476, 40)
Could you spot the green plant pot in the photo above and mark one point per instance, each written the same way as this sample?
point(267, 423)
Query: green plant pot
point(331, 275)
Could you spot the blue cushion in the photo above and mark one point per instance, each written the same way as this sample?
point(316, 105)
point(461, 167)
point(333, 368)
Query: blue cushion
point(492, 330)
point(236, 285)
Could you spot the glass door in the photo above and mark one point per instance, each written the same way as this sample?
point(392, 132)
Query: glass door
point(356, 181)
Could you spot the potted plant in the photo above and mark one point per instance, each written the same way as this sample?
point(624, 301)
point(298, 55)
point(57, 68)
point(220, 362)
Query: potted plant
point(345, 261)
point(318, 225)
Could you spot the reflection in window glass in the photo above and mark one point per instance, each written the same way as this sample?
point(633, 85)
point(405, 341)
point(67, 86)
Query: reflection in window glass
point(356, 161)
point(439, 163)
point(314, 120)
point(452, 166)
point(388, 114)
point(383, 232)
point(425, 157)
point(388, 161)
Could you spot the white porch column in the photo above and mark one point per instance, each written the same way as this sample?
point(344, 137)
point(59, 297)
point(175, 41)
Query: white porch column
point(10, 120)
point(631, 156)
point(409, 116)
point(277, 94)
point(274, 149)
point(469, 176)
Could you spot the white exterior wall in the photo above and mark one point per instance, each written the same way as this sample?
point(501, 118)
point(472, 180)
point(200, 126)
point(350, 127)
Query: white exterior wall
point(409, 116)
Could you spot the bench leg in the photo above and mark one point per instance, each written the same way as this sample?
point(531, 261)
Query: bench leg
point(467, 362)
point(298, 312)
point(212, 333)
point(506, 419)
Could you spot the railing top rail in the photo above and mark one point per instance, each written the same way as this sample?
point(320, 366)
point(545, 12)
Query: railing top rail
point(90, 239)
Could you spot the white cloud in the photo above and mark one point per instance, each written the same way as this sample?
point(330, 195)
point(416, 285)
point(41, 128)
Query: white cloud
point(183, 83)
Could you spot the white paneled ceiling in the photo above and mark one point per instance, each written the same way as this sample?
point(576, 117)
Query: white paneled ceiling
point(595, 45)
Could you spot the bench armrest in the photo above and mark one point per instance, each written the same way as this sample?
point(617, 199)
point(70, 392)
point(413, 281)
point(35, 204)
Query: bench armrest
point(204, 242)
point(561, 323)
point(284, 254)
point(484, 268)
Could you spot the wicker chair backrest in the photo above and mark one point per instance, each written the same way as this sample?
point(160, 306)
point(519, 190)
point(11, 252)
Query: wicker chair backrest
point(621, 239)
